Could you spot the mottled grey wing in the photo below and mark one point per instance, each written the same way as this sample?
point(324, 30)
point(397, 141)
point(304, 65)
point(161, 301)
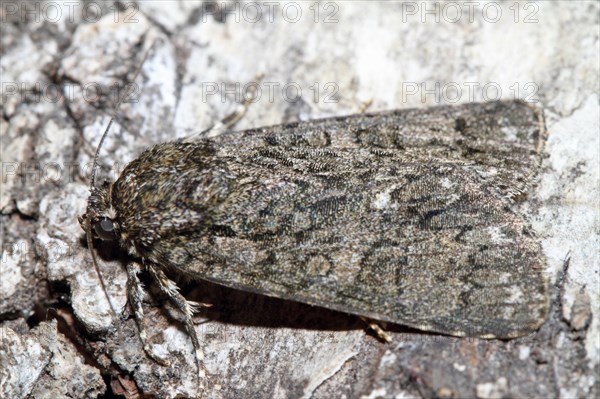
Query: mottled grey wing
point(401, 216)
point(505, 138)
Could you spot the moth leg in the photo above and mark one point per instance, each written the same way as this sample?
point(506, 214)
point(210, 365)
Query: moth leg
point(377, 329)
point(135, 294)
point(224, 124)
point(186, 307)
point(365, 105)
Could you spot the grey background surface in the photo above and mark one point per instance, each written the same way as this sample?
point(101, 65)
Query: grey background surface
point(57, 334)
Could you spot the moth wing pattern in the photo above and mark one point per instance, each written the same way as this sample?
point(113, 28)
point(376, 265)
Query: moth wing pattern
point(403, 216)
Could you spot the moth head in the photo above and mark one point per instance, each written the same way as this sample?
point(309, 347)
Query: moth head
point(100, 215)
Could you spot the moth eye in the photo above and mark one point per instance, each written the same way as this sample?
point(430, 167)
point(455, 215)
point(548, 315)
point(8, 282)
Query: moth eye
point(105, 229)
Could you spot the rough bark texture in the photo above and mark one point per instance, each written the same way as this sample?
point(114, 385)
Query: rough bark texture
point(58, 335)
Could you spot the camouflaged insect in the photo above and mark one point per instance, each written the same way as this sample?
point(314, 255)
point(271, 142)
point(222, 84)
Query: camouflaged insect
point(404, 216)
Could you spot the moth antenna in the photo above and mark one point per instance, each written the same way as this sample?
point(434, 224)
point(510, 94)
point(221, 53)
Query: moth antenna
point(112, 118)
point(88, 236)
point(88, 225)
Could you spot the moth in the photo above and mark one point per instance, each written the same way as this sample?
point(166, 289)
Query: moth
point(406, 216)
